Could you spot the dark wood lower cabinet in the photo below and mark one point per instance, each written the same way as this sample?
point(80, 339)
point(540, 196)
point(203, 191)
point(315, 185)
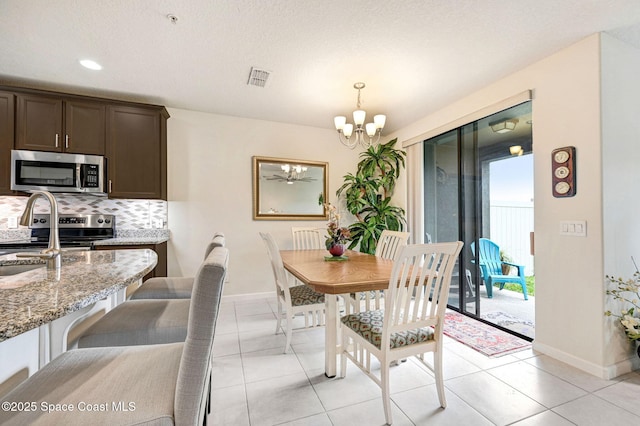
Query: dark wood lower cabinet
point(161, 250)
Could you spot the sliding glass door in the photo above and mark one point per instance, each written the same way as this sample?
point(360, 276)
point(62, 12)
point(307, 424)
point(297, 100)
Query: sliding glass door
point(462, 196)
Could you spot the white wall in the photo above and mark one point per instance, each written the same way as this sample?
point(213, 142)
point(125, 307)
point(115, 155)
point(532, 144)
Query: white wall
point(210, 189)
point(569, 270)
point(621, 181)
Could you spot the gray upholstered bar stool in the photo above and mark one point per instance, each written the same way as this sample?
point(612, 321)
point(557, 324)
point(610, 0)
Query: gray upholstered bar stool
point(139, 322)
point(148, 384)
point(173, 287)
point(145, 321)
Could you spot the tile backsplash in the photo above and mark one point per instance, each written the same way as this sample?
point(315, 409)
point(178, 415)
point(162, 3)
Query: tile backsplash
point(130, 214)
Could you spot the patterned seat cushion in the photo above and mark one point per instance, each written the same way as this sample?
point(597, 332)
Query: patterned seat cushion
point(371, 293)
point(368, 324)
point(303, 295)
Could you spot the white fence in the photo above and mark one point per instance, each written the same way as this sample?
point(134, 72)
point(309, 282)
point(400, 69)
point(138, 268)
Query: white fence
point(511, 225)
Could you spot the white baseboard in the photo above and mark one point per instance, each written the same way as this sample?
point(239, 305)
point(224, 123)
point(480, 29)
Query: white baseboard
point(604, 372)
point(622, 367)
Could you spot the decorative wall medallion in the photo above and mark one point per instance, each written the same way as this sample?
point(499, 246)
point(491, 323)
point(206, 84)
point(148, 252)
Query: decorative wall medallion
point(563, 169)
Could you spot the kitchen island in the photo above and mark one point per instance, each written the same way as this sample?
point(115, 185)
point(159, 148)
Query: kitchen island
point(39, 306)
point(39, 296)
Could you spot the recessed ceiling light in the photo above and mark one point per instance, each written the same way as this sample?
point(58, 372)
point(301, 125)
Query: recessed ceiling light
point(92, 65)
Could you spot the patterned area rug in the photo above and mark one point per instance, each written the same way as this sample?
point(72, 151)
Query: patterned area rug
point(505, 320)
point(482, 337)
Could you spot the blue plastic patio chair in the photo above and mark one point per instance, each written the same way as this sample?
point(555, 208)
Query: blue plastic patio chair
point(491, 266)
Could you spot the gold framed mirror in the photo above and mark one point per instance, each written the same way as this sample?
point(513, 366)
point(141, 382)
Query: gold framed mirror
point(288, 189)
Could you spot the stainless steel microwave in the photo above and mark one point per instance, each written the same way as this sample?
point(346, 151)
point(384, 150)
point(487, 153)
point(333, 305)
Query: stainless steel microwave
point(57, 172)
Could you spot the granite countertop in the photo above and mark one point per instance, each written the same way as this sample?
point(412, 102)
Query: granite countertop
point(123, 241)
point(30, 299)
point(136, 236)
point(123, 237)
point(128, 241)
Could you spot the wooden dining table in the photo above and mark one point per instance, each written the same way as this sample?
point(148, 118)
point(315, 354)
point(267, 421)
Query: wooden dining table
point(335, 278)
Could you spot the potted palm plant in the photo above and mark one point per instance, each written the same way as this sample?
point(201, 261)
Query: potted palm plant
point(368, 195)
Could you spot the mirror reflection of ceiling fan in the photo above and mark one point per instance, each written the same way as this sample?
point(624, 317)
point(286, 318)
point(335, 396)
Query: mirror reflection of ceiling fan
point(291, 174)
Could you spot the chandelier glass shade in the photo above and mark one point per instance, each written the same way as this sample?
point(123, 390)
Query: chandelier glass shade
point(359, 133)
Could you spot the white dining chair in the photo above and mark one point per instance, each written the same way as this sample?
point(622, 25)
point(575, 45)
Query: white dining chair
point(388, 247)
point(292, 300)
point(307, 238)
point(412, 319)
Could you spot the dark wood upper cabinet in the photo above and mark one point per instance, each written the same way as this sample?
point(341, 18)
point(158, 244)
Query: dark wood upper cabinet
point(85, 127)
point(7, 111)
point(132, 137)
point(60, 125)
point(39, 123)
point(136, 152)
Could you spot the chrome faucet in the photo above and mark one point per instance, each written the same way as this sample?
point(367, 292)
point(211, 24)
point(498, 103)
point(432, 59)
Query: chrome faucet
point(52, 252)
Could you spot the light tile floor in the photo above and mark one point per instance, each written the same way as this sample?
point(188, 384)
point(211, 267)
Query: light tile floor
point(254, 383)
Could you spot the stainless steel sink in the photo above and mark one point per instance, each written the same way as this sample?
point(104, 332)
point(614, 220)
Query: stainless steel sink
point(7, 270)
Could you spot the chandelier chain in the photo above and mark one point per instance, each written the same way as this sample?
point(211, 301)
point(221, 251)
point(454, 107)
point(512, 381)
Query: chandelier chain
point(359, 86)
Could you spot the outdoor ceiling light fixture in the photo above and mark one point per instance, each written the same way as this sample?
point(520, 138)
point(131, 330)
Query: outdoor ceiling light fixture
point(345, 130)
point(504, 126)
point(516, 150)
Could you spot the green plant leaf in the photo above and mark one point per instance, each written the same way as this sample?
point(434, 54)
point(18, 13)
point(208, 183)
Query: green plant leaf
point(368, 192)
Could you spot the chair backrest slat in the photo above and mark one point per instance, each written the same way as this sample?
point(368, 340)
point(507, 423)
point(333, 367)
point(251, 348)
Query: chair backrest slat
point(419, 287)
point(489, 256)
point(307, 238)
point(390, 243)
point(279, 274)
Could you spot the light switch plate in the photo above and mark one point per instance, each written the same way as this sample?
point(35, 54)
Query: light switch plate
point(573, 228)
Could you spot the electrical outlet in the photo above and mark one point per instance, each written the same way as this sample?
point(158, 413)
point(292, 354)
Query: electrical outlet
point(12, 222)
point(159, 223)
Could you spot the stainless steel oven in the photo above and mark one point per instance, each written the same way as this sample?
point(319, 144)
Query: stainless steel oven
point(77, 232)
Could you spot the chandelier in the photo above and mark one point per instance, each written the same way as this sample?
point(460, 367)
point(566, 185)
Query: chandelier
point(346, 130)
point(294, 173)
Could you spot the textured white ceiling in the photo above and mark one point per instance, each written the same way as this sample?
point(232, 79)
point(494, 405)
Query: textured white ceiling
point(414, 55)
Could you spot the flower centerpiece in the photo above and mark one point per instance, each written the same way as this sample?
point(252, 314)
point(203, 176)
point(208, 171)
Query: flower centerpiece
point(627, 290)
point(337, 236)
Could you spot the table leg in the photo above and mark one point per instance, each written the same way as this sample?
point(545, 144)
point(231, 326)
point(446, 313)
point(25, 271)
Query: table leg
point(331, 345)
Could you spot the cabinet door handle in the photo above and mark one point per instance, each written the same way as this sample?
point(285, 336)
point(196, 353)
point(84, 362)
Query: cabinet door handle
point(110, 186)
point(57, 138)
point(66, 141)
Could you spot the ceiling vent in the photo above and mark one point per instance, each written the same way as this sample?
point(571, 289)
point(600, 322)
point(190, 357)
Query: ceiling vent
point(258, 77)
